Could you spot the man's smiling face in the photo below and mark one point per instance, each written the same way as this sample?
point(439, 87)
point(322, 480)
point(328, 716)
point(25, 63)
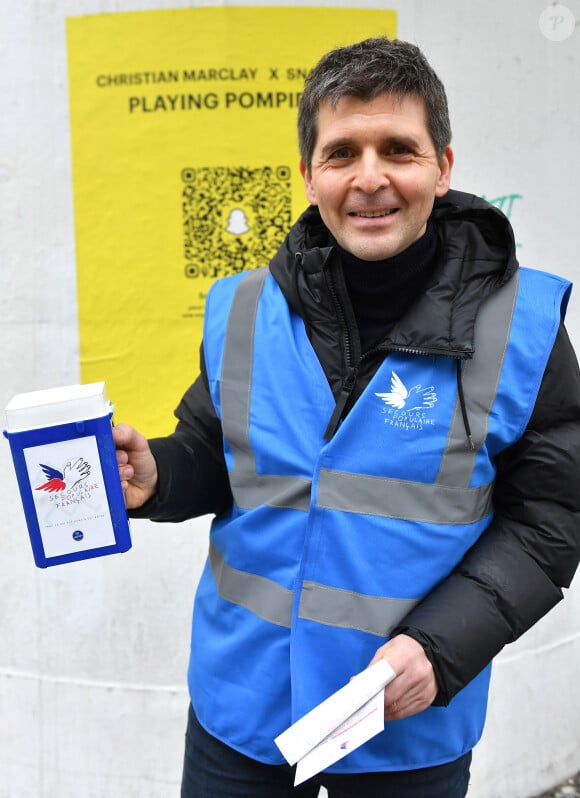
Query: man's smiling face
point(375, 173)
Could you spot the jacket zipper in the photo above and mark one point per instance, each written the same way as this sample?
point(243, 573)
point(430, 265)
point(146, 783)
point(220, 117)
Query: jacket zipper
point(351, 374)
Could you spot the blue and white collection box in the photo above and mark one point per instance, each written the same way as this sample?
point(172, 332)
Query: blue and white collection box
point(65, 460)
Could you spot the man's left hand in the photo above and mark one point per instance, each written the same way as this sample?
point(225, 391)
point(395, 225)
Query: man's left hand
point(415, 687)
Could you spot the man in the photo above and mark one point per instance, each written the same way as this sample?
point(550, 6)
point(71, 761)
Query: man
point(386, 429)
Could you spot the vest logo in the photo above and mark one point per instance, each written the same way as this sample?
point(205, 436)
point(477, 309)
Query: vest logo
point(407, 408)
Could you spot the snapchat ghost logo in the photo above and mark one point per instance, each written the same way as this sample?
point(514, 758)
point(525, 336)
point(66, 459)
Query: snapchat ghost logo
point(237, 222)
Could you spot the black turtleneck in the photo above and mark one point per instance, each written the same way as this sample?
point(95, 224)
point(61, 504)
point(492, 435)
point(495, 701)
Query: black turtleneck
point(382, 291)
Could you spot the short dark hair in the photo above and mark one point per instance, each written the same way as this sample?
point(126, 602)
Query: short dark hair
point(366, 70)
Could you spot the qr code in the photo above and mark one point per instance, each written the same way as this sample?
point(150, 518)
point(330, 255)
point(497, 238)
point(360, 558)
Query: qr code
point(234, 218)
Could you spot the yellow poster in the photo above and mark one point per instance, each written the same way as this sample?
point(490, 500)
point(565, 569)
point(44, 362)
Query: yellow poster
point(185, 169)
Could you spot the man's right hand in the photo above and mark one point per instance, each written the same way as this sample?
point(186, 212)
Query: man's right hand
point(137, 466)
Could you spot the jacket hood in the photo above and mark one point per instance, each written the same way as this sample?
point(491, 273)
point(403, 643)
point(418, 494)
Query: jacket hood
point(476, 256)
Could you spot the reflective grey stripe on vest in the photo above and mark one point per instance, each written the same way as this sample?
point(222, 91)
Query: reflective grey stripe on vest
point(249, 488)
point(480, 379)
point(330, 606)
point(448, 501)
point(346, 609)
point(393, 498)
point(262, 596)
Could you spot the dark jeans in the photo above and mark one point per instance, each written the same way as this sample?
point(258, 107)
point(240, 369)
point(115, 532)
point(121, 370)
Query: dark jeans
point(213, 770)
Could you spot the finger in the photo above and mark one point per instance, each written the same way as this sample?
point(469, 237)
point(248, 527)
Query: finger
point(122, 435)
point(401, 708)
point(375, 659)
point(126, 473)
point(407, 703)
point(122, 457)
point(392, 712)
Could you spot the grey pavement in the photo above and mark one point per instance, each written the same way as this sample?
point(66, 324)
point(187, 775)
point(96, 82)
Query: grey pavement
point(568, 789)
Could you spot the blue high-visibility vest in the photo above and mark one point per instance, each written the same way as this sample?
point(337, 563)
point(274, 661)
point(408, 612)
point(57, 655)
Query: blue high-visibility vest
point(329, 544)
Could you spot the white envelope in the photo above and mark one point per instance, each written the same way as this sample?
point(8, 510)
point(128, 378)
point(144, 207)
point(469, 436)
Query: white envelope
point(341, 723)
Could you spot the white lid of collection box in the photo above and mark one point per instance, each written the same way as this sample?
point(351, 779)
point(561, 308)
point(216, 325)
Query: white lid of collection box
point(54, 406)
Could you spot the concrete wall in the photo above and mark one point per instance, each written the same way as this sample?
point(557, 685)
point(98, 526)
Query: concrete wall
point(93, 655)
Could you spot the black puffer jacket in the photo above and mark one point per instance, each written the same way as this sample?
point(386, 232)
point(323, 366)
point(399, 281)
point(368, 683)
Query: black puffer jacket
point(514, 574)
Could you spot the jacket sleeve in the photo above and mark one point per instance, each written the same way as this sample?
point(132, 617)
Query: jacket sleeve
point(515, 572)
point(193, 477)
